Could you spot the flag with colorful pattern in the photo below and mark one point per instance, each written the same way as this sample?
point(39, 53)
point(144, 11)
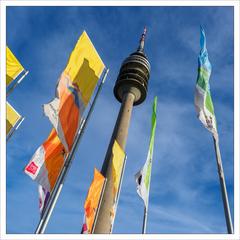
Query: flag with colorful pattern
point(84, 226)
point(74, 90)
point(143, 177)
point(92, 200)
point(45, 166)
point(65, 111)
point(43, 197)
point(203, 100)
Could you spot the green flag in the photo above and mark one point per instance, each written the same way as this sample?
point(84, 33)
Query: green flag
point(143, 177)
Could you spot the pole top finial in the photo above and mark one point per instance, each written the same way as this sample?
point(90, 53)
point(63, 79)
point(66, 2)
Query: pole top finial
point(142, 39)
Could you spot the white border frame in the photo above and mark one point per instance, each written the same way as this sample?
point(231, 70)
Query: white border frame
point(3, 4)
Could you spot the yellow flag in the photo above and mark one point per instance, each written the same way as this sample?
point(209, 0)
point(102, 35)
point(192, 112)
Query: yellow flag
point(14, 67)
point(12, 117)
point(118, 160)
point(84, 67)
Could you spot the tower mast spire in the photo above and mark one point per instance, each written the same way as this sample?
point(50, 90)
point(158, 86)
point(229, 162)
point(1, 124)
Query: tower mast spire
point(142, 41)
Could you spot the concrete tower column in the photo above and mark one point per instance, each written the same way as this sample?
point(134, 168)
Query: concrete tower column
point(104, 220)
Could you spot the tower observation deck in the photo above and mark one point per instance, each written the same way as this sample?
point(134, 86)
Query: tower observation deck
point(134, 74)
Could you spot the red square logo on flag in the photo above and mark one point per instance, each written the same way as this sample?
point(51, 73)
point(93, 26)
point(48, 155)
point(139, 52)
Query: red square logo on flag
point(32, 168)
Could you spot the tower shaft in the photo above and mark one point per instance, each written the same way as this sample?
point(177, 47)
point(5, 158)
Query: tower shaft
point(130, 89)
point(120, 133)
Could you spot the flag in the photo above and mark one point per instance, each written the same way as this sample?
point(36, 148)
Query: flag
point(64, 112)
point(203, 101)
point(84, 226)
point(13, 118)
point(117, 165)
point(84, 67)
point(74, 90)
point(46, 164)
point(143, 177)
point(14, 67)
point(93, 198)
point(43, 197)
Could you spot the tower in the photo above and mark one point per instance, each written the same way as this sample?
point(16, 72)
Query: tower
point(130, 89)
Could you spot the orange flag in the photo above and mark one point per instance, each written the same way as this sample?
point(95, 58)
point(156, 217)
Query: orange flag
point(93, 197)
point(46, 164)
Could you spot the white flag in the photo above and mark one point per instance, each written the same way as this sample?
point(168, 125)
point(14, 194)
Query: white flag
point(143, 177)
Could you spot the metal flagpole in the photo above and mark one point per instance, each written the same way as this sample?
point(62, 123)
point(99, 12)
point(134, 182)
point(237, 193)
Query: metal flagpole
point(60, 181)
point(144, 220)
point(13, 87)
point(119, 189)
point(223, 185)
point(15, 128)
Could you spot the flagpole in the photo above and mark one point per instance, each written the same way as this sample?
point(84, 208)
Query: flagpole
point(119, 189)
point(17, 83)
point(144, 220)
point(223, 185)
point(60, 181)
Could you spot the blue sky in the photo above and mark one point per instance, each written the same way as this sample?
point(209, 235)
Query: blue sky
point(185, 194)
